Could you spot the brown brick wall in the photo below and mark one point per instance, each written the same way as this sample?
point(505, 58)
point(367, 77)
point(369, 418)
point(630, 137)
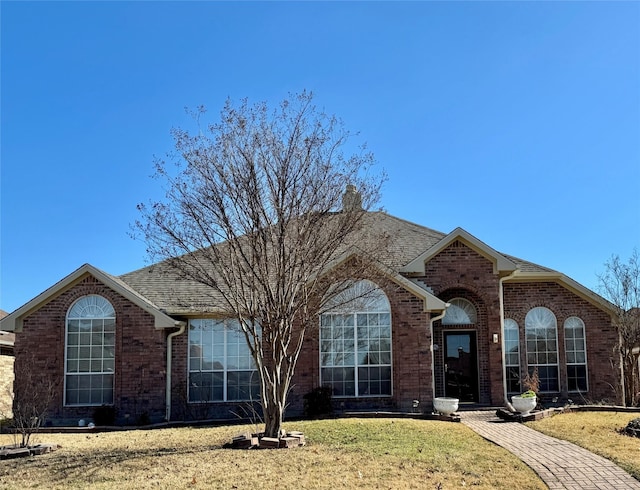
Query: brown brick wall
point(411, 358)
point(140, 355)
point(599, 334)
point(460, 272)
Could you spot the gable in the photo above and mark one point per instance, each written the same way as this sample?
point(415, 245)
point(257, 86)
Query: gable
point(13, 322)
point(501, 264)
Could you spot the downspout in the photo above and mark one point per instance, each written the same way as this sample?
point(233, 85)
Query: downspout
point(170, 337)
point(504, 354)
point(433, 357)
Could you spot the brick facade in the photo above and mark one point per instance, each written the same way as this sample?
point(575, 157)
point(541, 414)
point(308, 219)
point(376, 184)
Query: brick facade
point(139, 383)
point(600, 336)
point(456, 271)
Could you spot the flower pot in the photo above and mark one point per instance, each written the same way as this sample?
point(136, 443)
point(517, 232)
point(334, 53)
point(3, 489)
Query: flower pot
point(524, 405)
point(445, 405)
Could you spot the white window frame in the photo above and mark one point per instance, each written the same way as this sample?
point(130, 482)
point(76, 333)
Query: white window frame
point(511, 326)
point(460, 312)
point(572, 323)
point(90, 311)
point(225, 370)
point(534, 323)
point(362, 299)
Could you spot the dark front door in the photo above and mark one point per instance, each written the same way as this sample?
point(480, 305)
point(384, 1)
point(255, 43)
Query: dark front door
point(461, 366)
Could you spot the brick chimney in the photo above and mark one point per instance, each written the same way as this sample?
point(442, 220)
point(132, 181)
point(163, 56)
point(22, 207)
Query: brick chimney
point(351, 199)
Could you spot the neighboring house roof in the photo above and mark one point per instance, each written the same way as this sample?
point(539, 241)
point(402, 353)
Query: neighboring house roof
point(7, 339)
point(13, 321)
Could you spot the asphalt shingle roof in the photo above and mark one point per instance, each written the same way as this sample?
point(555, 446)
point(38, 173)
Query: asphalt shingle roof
point(162, 286)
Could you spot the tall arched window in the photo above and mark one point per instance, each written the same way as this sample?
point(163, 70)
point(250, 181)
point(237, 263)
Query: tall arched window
point(461, 312)
point(355, 342)
point(90, 352)
point(512, 355)
point(541, 330)
point(575, 348)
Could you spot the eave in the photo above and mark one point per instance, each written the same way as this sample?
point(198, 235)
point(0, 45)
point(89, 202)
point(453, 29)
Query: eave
point(501, 264)
point(564, 280)
point(13, 322)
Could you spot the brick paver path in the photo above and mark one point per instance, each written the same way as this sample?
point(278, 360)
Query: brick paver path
point(560, 464)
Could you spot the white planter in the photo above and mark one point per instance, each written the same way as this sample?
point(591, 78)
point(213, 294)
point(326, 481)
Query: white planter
point(445, 405)
point(524, 405)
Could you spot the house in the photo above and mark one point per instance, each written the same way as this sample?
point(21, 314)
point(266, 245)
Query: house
point(6, 370)
point(450, 316)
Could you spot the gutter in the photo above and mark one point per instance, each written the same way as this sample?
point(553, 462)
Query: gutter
point(504, 354)
point(170, 337)
point(433, 359)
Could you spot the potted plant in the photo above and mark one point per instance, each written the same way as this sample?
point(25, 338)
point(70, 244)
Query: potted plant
point(525, 402)
point(528, 400)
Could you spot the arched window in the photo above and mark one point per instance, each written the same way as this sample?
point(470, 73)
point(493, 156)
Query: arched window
point(541, 330)
point(355, 342)
point(461, 312)
point(512, 355)
point(90, 352)
point(575, 348)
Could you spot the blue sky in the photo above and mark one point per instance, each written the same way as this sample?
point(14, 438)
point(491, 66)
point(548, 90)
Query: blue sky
point(518, 121)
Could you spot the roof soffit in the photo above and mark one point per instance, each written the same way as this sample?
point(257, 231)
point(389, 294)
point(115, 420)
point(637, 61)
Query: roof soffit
point(501, 264)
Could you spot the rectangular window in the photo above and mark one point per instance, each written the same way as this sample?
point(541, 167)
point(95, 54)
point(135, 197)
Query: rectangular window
point(574, 344)
point(542, 353)
point(221, 367)
point(355, 353)
point(512, 356)
point(90, 361)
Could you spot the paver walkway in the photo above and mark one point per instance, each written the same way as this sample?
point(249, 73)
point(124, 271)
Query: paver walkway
point(560, 464)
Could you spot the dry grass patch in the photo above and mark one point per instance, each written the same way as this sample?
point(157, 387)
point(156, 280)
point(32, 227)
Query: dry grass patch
point(597, 432)
point(348, 453)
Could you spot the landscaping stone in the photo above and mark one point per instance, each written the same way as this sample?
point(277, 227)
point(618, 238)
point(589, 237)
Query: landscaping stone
point(258, 441)
point(10, 452)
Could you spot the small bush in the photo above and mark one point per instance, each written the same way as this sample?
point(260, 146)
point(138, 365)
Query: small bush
point(104, 415)
point(143, 419)
point(632, 428)
point(318, 402)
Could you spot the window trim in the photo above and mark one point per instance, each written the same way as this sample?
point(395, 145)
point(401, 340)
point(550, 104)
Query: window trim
point(225, 370)
point(531, 367)
point(344, 311)
point(510, 324)
point(463, 305)
point(584, 349)
point(111, 311)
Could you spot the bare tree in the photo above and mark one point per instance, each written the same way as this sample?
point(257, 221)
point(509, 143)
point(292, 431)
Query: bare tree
point(620, 284)
point(256, 211)
point(32, 397)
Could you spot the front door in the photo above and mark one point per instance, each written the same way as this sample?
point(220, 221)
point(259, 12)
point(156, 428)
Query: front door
point(461, 366)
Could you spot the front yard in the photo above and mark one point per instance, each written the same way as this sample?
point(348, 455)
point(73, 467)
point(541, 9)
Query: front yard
point(346, 453)
point(343, 453)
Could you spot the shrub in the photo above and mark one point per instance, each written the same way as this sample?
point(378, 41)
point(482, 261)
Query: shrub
point(104, 415)
point(632, 428)
point(318, 402)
